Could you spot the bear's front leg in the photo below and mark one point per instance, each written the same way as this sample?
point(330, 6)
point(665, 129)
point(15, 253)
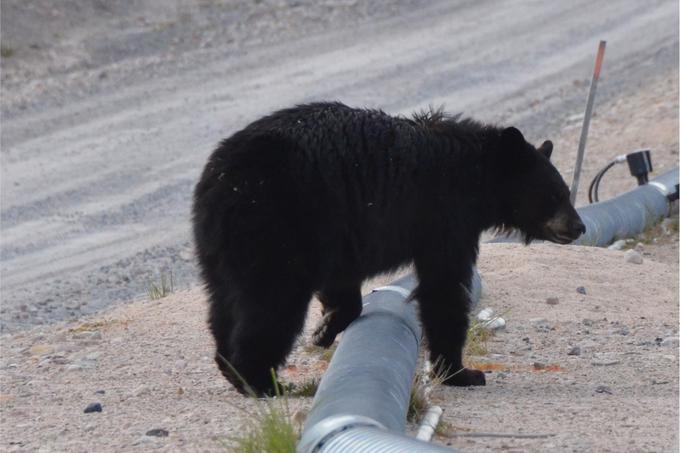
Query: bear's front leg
point(444, 305)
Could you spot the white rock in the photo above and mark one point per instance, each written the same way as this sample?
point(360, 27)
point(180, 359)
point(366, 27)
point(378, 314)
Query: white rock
point(632, 256)
point(618, 245)
point(672, 342)
point(485, 315)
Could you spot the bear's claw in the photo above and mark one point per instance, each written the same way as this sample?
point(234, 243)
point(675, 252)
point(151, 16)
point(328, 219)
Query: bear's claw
point(324, 335)
point(465, 378)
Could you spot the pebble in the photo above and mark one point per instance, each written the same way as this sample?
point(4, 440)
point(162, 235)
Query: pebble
point(622, 331)
point(672, 342)
point(141, 390)
point(552, 301)
point(604, 389)
point(617, 245)
point(157, 432)
point(93, 407)
point(539, 366)
point(632, 256)
point(100, 392)
point(581, 290)
point(639, 247)
point(575, 350)
point(605, 362)
point(41, 349)
point(79, 366)
point(180, 364)
point(541, 324)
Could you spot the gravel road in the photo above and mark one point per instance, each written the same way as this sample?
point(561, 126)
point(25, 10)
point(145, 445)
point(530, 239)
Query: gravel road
point(109, 113)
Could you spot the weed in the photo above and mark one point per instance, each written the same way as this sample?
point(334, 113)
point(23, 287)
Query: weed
point(274, 430)
point(423, 382)
point(477, 338)
point(306, 389)
point(418, 401)
point(87, 326)
point(6, 52)
point(327, 354)
point(166, 287)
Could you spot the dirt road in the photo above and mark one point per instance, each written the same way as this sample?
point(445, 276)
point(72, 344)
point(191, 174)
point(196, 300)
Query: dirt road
point(109, 115)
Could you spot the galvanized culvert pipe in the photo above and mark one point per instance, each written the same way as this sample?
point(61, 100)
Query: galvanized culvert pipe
point(362, 400)
point(630, 213)
point(625, 215)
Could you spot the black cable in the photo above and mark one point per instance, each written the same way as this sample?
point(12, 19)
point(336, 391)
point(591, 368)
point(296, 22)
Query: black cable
point(595, 183)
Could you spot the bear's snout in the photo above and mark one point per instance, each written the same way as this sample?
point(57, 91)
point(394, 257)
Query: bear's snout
point(564, 227)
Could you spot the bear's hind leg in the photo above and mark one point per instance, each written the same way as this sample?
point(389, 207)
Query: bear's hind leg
point(341, 306)
point(268, 322)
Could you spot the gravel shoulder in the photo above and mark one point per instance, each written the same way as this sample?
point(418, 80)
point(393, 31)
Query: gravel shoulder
point(151, 363)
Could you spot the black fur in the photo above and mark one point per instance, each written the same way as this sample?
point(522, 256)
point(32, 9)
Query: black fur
point(317, 198)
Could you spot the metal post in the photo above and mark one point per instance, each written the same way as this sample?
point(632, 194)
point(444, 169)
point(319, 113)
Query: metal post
point(586, 121)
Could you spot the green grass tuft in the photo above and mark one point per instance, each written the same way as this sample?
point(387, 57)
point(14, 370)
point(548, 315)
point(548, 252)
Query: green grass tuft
point(6, 52)
point(477, 338)
point(273, 432)
point(164, 288)
point(307, 389)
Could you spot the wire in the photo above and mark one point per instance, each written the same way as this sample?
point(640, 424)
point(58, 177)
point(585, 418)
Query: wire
point(595, 183)
point(594, 187)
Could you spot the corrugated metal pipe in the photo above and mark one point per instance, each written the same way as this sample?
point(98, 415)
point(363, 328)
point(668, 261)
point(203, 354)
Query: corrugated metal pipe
point(362, 400)
point(625, 215)
point(628, 214)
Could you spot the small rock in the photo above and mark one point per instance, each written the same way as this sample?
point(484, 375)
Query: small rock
point(581, 290)
point(575, 350)
point(632, 256)
point(93, 407)
point(655, 382)
point(93, 356)
point(157, 432)
point(617, 245)
point(588, 322)
point(605, 362)
point(141, 390)
point(501, 375)
point(552, 301)
point(541, 324)
point(539, 366)
point(79, 366)
point(180, 364)
point(604, 389)
point(622, 331)
point(41, 349)
point(100, 392)
point(672, 342)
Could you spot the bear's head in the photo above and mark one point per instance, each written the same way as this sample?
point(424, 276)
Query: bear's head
point(535, 198)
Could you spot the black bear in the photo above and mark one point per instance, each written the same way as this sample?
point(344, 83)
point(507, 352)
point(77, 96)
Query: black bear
point(316, 198)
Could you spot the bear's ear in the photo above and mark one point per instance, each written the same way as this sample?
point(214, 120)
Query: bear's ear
point(511, 137)
point(546, 148)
